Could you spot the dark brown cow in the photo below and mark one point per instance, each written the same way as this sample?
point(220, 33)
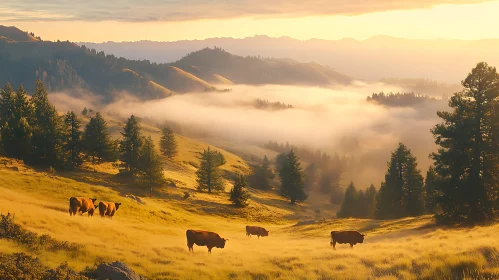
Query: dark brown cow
point(82, 205)
point(258, 231)
point(351, 237)
point(204, 238)
point(108, 208)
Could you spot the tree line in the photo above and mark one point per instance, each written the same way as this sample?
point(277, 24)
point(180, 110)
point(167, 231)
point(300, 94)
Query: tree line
point(33, 131)
point(399, 99)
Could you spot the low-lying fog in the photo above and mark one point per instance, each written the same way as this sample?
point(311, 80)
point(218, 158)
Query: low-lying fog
point(334, 120)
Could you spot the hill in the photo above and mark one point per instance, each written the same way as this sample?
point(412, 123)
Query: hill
point(211, 64)
point(150, 236)
point(371, 59)
point(80, 70)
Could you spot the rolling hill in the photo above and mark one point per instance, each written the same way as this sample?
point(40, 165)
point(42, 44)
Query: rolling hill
point(80, 70)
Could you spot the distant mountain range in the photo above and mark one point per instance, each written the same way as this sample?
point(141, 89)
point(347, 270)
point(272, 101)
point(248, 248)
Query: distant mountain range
point(67, 66)
point(373, 59)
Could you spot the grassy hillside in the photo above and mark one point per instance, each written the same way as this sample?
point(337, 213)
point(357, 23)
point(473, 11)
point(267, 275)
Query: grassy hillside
point(150, 237)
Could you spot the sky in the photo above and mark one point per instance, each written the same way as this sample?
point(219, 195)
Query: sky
point(172, 20)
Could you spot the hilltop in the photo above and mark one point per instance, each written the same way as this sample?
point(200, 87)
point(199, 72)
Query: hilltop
point(65, 66)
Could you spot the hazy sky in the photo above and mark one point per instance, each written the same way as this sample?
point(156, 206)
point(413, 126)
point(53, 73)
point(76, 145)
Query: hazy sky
point(168, 20)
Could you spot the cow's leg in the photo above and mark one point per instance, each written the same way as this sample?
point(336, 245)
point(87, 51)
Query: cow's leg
point(190, 246)
point(258, 236)
point(334, 244)
point(209, 250)
point(351, 245)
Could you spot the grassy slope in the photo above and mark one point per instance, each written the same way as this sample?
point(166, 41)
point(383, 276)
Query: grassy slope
point(150, 237)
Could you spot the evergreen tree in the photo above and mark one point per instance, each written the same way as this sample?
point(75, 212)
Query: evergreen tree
point(467, 161)
point(84, 112)
point(371, 195)
point(221, 159)
point(311, 176)
point(96, 140)
point(7, 119)
point(349, 205)
point(262, 175)
point(130, 146)
point(292, 178)
point(430, 191)
point(168, 144)
point(47, 130)
point(329, 181)
point(73, 143)
point(209, 175)
point(238, 194)
point(401, 194)
point(21, 129)
point(149, 164)
point(360, 205)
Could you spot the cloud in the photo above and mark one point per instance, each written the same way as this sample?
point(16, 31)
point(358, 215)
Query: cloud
point(333, 120)
point(174, 10)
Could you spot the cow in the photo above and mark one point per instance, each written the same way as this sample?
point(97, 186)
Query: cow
point(351, 237)
point(204, 238)
point(258, 231)
point(108, 208)
point(82, 205)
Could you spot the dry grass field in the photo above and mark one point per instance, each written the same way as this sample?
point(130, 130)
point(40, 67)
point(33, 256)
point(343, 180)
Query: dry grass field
point(150, 236)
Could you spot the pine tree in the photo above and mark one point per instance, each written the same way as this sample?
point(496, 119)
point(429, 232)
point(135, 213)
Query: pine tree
point(96, 140)
point(73, 144)
point(47, 130)
point(84, 112)
point(238, 194)
point(311, 176)
point(7, 119)
point(349, 205)
point(401, 194)
point(168, 144)
point(467, 161)
point(430, 191)
point(262, 175)
point(149, 165)
point(292, 178)
point(371, 195)
point(209, 176)
point(130, 146)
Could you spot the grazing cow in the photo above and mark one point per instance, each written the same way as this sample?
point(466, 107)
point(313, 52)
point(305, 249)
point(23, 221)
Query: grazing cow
point(204, 238)
point(258, 231)
point(108, 208)
point(351, 237)
point(82, 205)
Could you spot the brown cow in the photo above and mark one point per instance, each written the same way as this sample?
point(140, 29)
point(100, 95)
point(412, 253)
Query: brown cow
point(258, 231)
point(204, 238)
point(108, 208)
point(81, 204)
point(351, 237)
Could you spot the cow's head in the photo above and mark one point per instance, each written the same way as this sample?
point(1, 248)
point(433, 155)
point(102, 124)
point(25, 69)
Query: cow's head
point(93, 200)
point(265, 233)
point(117, 204)
point(221, 243)
point(361, 239)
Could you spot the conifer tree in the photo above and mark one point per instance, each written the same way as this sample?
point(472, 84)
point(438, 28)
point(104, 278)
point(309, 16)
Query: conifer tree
point(292, 178)
point(467, 160)
point(84, 112)
point(430, 191)
point(209, 175)
point(371, 195)
point(168, 144)
point(401, 194)
point(262, 175)
point(311, 176)
point(96, 141)
point(238, 194)
point(130, 145)
point(149, 164)
point(7, 119)
point(47, 130)
point(349, 205)
point(73, 144)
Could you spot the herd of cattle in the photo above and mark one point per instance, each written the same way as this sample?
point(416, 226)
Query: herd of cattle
point(83, 205)
point(199, 237)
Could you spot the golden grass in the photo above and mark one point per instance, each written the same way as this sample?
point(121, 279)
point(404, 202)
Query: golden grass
point(151, 237)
